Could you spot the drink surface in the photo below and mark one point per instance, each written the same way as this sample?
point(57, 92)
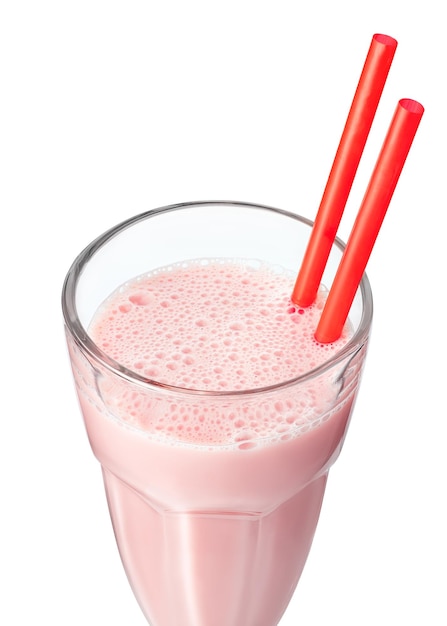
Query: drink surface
point(214, 325)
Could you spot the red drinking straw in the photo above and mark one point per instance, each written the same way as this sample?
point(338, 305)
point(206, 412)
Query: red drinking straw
point(369, 219)
point(347, 158)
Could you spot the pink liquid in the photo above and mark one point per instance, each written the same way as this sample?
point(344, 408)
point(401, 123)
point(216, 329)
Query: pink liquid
point(214, 499)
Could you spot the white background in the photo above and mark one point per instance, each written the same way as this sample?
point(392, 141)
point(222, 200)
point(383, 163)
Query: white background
point(111, 108)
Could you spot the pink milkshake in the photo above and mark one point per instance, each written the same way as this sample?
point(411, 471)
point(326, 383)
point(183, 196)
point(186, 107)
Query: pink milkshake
point(213, 411)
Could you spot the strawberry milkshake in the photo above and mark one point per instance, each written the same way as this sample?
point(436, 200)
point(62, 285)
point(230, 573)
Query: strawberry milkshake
point(214, 412)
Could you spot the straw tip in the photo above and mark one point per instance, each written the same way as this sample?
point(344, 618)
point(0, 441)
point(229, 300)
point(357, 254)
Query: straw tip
point(386, 40)
point(412, 106)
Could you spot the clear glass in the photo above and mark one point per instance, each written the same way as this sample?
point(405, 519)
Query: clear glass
point(209, 535)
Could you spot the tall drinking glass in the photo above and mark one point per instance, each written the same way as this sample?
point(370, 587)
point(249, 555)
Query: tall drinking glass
point(211, 533)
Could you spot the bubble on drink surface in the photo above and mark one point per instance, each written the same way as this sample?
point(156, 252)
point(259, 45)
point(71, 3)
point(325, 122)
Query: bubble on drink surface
point(215, 326)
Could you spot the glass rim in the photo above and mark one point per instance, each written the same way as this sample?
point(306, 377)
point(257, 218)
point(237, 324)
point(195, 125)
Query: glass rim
point(88, 346)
